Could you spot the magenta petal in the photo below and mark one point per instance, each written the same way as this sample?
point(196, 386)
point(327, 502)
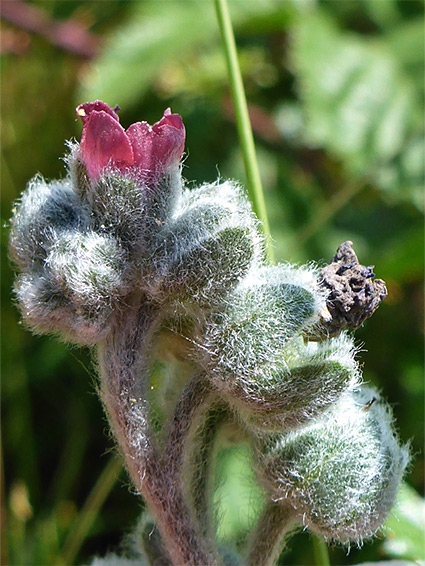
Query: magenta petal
point(141, 139)
point(159, 146)
point(174, 120)
point(84, 110)
point(104, 142)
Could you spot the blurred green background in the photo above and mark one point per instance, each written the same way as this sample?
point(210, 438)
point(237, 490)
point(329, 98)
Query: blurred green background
point(336, 94)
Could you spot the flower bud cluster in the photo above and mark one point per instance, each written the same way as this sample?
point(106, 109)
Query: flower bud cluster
point(71, 274)
point(121, 233)
point(255, 352)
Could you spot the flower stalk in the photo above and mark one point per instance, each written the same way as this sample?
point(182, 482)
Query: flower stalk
point(252, 172)
point(246, 138)
point(124, 366)
point(275, 526)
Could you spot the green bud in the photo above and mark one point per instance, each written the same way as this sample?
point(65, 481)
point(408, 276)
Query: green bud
point(46, 310)
point(118, 207)
point(205, 248)
point(255, 353)
point(208, 269)
point(341, 473)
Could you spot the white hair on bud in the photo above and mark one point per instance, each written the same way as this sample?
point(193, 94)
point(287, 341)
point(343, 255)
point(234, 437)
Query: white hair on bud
point(89, 267)
point(45, 309)
point(210, 243)
point(340, 473)
point(43, 208)
point(254, 351)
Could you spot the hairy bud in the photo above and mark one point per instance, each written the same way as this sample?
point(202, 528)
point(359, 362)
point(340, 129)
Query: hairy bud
point(256, 355)
point(130, 206)
point(89, 267)
point(206, 248)
point(45, 309)
point(44, 210)
point(341, 473)
point(71, 275)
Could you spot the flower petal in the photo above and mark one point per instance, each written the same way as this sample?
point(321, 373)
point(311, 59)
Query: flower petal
point(104, 142)
point(84, 110)
point(174, 120)
point(160, 146)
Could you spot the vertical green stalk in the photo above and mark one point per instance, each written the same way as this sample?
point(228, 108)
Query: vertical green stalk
point(253, 178)
point(246, 138)
point(4, 548)
point(90, 510)
point(321, 553)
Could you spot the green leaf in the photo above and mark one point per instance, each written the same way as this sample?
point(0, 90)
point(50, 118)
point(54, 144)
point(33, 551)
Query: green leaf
point(405, 527)
point(359, 104)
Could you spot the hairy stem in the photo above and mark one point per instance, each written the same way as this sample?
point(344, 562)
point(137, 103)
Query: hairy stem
point(195, 397)
point(124, 365)
point(275, 526)
point(194, 410)
point(202, 466)
point(190, 444)
point(184, 450)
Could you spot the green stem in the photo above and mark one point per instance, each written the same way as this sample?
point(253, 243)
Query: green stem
point(4, 549)
point(321, 553)
point(253, 178)
point(90, 510)
point(243, 123)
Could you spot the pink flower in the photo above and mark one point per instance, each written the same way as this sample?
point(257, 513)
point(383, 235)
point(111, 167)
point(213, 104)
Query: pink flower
point(150, 150)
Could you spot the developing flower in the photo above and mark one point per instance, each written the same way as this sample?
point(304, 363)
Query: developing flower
point(151, 150)
point(341, 473)
point(77, 242)
point(167, 280)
